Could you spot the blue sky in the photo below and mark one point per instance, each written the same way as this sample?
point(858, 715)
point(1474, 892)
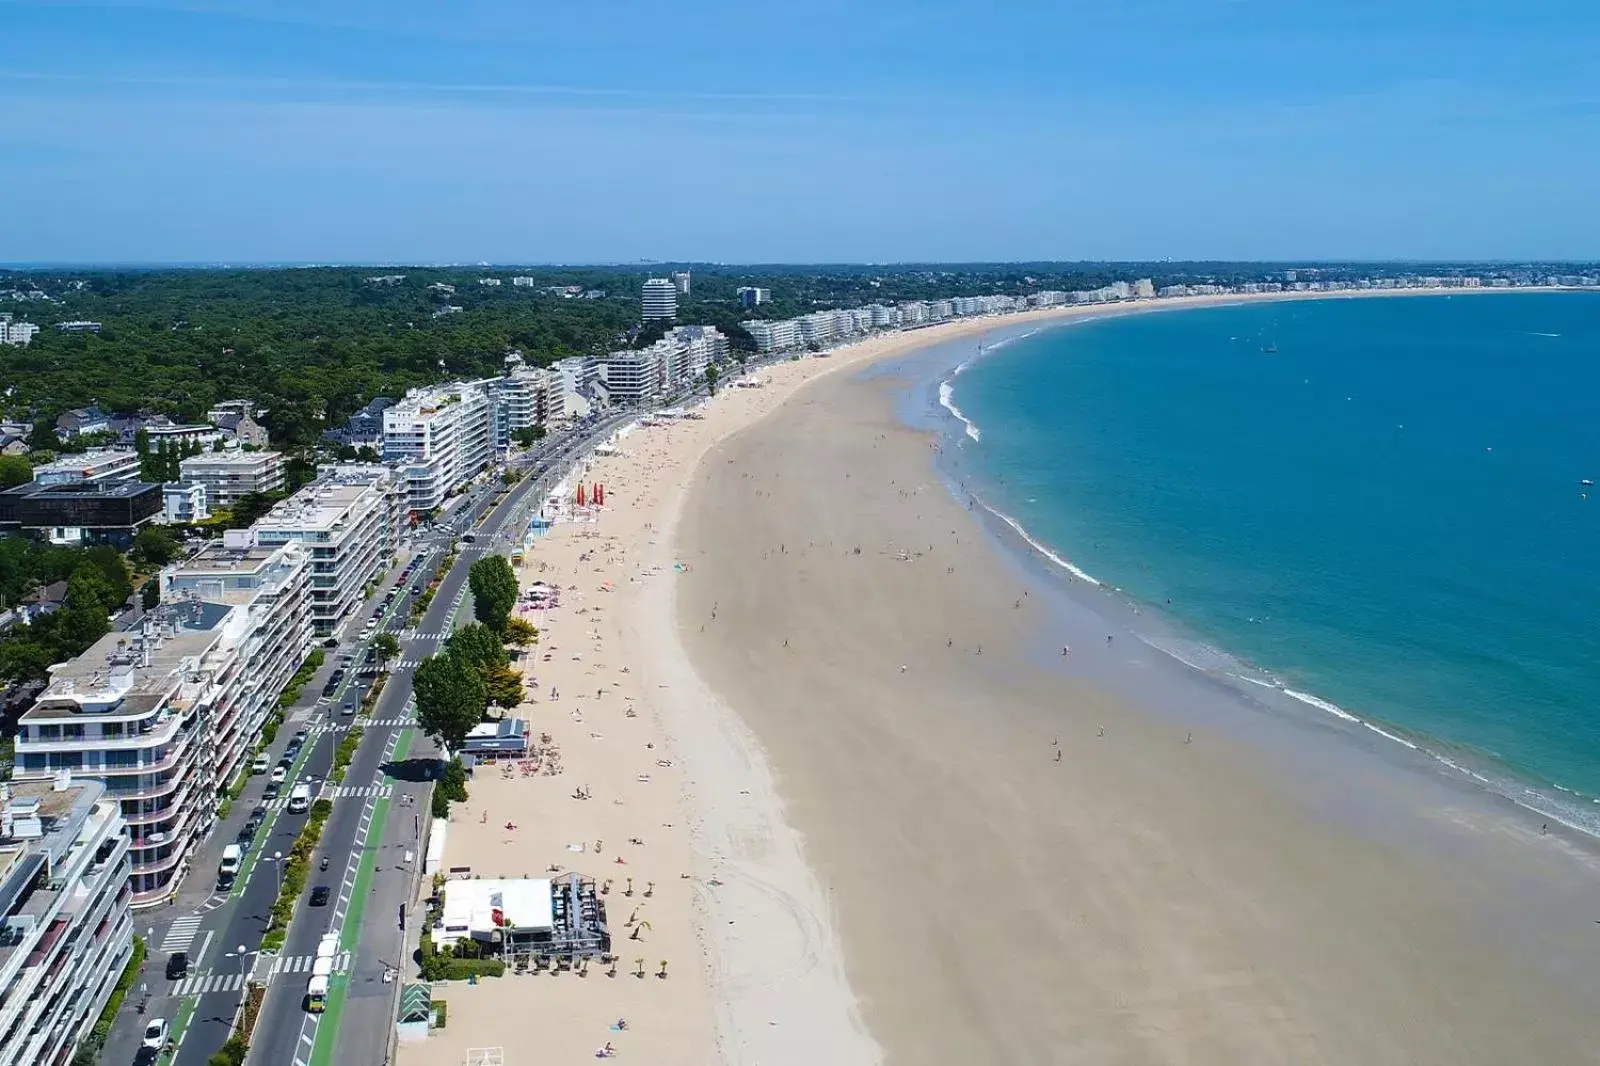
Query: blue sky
point(796, 130)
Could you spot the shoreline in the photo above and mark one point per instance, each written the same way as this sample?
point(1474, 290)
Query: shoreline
point(884, 771)
point(1541, 798)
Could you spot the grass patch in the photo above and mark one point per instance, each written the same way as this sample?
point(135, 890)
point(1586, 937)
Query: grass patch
point(344, 753)
point(296, 868)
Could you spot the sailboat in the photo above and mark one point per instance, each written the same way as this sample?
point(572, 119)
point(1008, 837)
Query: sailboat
point(1271, 348)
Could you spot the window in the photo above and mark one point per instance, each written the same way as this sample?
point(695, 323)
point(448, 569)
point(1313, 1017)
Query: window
point(111, 729)
point(49, 732)
point(72, 731)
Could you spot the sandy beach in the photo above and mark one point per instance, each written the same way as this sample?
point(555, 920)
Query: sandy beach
point(882, 818)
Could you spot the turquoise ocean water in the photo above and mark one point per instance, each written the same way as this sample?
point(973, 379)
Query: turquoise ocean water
point(1379, 502)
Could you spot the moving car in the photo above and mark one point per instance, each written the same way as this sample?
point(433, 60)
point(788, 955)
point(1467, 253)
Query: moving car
point(155, 1034)
point(279, 775)
point(349, 707)
point(272, 790)
point(177, 965)
point(319, 896)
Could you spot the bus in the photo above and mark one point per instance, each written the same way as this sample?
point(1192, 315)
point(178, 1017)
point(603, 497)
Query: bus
point(317, 993)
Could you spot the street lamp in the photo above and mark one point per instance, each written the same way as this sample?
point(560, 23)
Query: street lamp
point(277, 860)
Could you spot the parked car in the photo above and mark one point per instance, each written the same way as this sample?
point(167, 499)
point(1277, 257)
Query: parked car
point(155, 1033)
point(319, 896)
point(261, 764)
point(177, 965)
point(272, 790)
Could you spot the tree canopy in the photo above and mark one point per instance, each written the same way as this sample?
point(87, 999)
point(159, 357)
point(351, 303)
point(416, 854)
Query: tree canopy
point(451, 698)
point(494, 591)
point(14, 470)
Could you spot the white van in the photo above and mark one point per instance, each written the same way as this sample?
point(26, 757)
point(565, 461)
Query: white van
point(299, 799)
point(228, 868)
point(262, 764)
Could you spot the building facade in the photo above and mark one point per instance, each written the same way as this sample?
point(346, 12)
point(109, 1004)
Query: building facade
point(67, 933)
point(183, 502)
point(14, 332)
point(80, 512)
point(163, 717)
point(228, 475)
point(344, 529)
point(659, 298)
point(439, 439)
point(90, 468)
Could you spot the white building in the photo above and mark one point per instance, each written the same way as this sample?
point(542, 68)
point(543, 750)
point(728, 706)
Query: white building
point(228, 475)
point(1144, 289)
point(162, 430)
point(102, 466)
point(816, 328)
point(490, 283)
point(441, 438)
point(631, 376)
point(524, 398)
point(383, 480)
point(579, 375)
point(773, 336)
point(523, 281)
point(751, 296)
point(164, 715)
point(344, 530)
point(67, 933)
point(680, 281)
point(659, 298)
point(14, 332)
point(183, 502)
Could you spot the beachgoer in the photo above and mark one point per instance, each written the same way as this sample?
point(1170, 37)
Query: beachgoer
point(1064, 648)
point(1058, 755)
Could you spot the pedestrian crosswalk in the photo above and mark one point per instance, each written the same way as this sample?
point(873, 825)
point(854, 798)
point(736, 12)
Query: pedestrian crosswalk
point(199, 984)
point(345, 727)
point(355, 791)
point(292, 964)
point(407, 664)
point(425, 634)
point(181, 934)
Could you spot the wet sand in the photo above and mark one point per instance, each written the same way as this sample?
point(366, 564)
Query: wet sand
point(1100, 857)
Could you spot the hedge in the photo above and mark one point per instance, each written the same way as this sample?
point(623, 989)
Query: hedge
point(345, 752)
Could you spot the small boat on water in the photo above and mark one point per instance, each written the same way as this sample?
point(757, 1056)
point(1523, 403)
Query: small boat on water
point(1271, 348)
point(1586, 482)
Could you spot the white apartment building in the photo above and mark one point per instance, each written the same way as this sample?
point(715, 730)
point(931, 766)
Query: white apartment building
point(183, 502)
point(67, 934)
point(441, 438)
point(659, 298)
point(816, 328)
point(631, 376)
point(523, 281)
point(752, 296)
point(883, 317)
point(14, 332)
point(773, 336)
point(103, 466)
point(383, 480)
point(525, 397)
point(344, 529)
point(228, 475)
point(163, 716)
point(1144, 289)
point(680, 281)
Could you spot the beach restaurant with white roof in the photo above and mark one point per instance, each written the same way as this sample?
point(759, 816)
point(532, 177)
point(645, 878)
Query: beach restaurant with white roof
point(478, 909)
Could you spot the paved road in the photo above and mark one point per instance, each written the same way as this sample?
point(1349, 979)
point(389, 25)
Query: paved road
point(380, 834)
point(374, 825)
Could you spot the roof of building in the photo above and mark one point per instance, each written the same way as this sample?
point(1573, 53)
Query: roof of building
point(131, 673)
point(232, 457)
point(523, 902)
point(114, 490)
point(319, 506)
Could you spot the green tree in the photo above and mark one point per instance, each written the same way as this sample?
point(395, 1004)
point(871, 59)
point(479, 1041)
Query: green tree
point(494, 591)
point(14, 470)
point(248, 508)
point(520, 632)
point(24, 660)
point(114, 569)
point(387, 645)
point(477, 644)
point(156, 546)
point(451, 698)
point(711, 378)
point(150, 595)
point(42, 437)
point(504, 685)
